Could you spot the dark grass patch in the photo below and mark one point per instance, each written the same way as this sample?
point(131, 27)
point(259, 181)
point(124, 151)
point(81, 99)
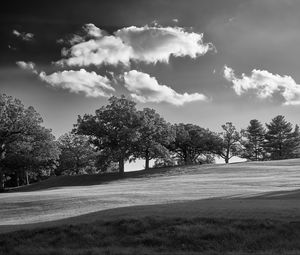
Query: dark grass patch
point(157, 235)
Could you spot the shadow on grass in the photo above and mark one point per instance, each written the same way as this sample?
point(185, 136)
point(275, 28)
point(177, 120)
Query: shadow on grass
point(157, 235)
point(96, 179)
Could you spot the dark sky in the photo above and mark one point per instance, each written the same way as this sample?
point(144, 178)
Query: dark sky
point(247, 35)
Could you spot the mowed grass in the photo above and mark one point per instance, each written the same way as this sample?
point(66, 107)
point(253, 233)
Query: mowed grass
point(65, 197)
point(158, 235)
point(250, 170)
point(249, 208)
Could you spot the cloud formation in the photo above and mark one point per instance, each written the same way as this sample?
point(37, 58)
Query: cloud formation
point(30, 66)
point(24, 36)
point(89, 83)
point(265, 84)
point(87, 32)
point(149, 44)
point(142, 86)
point(93, 31)
point(145, 88)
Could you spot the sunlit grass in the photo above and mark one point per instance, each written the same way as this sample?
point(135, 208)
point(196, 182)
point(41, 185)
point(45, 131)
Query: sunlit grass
point(85, 194)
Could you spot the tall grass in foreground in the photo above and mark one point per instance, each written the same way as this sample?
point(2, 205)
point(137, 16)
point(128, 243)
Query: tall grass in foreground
point(154, 235)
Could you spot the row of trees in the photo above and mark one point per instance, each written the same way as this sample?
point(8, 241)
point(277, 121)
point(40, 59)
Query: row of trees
point(119, 132)
point(279, 140)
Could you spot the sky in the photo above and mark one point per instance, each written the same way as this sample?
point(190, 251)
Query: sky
point(203, 62)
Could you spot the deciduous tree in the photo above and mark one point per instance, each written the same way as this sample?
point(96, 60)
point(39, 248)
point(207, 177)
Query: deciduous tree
point(228, 145)
point(33, 157)
point(191, 142)
point(155, 134)
point(17, 124)
point(77, 154)
point(113, 129)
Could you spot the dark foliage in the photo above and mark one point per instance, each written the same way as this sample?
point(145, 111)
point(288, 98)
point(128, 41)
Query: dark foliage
point(253, 143)
point(192, 143)
point(113, 130)
point(281, 142)
point(27, 149)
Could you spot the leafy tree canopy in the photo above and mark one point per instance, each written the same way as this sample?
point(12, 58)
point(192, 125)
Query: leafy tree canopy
point(21, 133)
point(155, 134)
point(113, 129)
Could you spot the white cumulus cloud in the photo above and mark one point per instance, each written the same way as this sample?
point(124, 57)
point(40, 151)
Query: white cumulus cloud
point(93, 31)
point(157, 44)
point(145, 88)
point(149, 44)
point(265, 84)
point(89, 83)
point(105, 50)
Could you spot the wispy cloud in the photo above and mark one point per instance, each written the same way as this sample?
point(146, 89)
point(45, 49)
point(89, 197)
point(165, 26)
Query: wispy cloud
point(145, 88)
point(24, 36)
point(265, 84)
point(88, 31)
point(82, 81)
point(30, 66)
point(90, 84)
point(149, 44)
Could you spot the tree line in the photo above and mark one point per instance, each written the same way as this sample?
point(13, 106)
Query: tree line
point(119, 132)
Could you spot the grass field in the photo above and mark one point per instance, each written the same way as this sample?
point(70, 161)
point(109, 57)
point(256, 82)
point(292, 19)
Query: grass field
point(49, 202)
point(247, 208)
point(157, 235)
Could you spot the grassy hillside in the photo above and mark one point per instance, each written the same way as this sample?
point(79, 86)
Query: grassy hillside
point(248, 208)
point(46, 202)
point(87, 180)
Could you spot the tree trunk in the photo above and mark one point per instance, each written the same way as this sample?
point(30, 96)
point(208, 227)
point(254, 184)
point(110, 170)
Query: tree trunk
point(280, 151)
point(76, 169)
point(77, 166)
point(121, 166)
point(2, 156)
point(256, 153)
point(147, 160)
point(227, 154)
point(1, 180)
point(184, 158)
point(187, 158)
point(27, 178)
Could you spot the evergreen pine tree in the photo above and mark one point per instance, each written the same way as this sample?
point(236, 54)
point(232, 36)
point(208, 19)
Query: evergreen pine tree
point(280, 139)
point(254, 140)
point(296, 142)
